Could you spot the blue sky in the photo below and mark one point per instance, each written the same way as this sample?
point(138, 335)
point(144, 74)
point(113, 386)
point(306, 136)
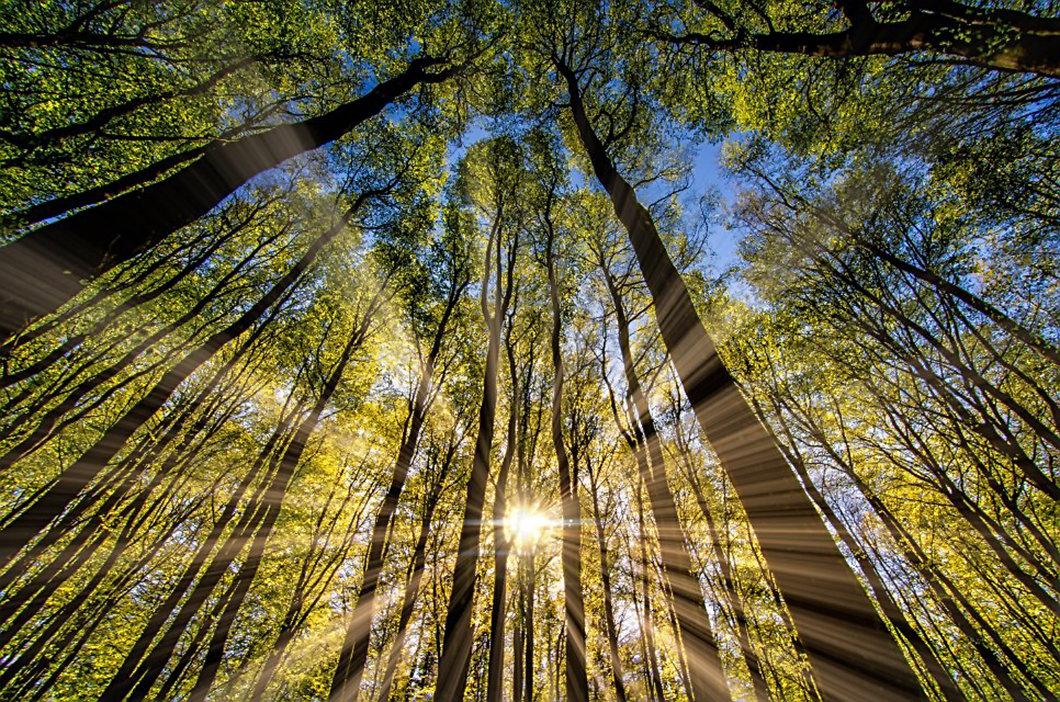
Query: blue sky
point(708, 174)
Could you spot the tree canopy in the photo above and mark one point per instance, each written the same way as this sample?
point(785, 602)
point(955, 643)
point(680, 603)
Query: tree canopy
point(695, 350)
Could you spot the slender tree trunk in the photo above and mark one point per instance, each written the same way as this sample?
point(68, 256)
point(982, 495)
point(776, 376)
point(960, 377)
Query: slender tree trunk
point(617, 674)
point(647, 620)
point(577, 683)
point(498, 613)
point(457, 639)
point(44, 269)
point(851, 650)
point(517, 649)
point(707, 677)
point(528, 627)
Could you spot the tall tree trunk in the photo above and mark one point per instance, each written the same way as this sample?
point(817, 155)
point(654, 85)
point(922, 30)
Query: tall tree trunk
point(44, 269)
point(671, 613)
point(517, 648)
point(647, 619)
point(528, 627)
point(408, 602)
point(577, 683)
point(617, 674)
point(704, 662)
point(850, 647)
point(501, 545)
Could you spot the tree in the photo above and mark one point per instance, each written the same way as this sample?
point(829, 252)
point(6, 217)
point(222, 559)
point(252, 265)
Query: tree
point(866, 654)
point(577, 684)
point(501, 181)
point(454, 274)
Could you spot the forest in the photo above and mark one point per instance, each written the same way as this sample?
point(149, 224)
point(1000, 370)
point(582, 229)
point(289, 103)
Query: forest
point(530, 350)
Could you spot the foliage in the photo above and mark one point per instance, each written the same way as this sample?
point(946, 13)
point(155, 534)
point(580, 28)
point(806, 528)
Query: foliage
point(224, 443)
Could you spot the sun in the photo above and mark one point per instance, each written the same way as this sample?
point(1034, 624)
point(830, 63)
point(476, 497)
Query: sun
point(525, 526)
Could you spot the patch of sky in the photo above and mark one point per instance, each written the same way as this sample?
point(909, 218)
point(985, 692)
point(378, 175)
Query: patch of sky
point(710, 178)
point(477, 130)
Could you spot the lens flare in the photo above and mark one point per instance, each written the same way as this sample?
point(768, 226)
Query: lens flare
point(526, 526)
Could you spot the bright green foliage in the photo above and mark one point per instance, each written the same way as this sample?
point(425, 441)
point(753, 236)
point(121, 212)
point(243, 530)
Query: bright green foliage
point(891, 313)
